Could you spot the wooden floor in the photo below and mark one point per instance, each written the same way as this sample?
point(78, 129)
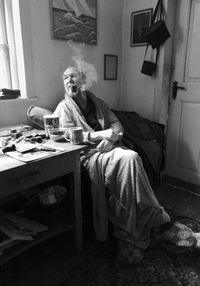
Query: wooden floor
point(181, 198)
point(44, 264)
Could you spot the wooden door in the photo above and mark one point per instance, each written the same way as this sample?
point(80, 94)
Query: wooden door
point(183, 131)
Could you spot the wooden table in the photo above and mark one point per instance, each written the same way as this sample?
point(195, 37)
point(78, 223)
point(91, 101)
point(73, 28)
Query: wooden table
point(17, 176)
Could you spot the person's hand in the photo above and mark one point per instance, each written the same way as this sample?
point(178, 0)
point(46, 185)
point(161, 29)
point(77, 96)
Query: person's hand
point(110, 134)
point(105, 146)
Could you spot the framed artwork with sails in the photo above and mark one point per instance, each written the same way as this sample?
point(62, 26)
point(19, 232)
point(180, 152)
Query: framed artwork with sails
point(74, 20)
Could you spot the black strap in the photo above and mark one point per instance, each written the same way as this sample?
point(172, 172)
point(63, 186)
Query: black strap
point(158, 12)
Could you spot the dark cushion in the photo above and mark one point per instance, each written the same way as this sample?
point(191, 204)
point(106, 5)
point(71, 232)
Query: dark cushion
point(145, 137)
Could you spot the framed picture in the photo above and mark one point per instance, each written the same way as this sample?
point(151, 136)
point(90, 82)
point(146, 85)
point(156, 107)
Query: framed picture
point(140, 22)
point(110, 67)
point(74, 20)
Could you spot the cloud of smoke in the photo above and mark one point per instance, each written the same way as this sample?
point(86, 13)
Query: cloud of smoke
point(87, 70)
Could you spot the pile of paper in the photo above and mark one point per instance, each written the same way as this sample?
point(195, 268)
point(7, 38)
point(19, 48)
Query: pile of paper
point(15, 228)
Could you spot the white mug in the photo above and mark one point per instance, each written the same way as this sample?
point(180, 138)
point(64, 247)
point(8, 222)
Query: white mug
point(74, 135)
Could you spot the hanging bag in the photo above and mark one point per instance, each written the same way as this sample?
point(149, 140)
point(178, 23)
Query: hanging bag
point(149, 65)
point(158, 32)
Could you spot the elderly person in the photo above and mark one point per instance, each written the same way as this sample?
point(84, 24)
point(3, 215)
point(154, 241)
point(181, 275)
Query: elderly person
point(121, 191)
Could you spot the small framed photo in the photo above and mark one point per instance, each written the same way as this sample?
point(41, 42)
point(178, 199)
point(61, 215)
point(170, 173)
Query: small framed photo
point(110, 67)
point(140, 22)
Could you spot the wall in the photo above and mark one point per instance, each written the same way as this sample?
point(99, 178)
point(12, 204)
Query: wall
point(146, 95)
point(46, 58)
point(138, 89)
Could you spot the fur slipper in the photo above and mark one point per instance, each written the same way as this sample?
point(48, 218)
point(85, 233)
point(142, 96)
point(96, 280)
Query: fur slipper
point(179, 234)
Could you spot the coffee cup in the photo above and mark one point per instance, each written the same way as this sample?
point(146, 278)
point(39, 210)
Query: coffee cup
point(74, 135)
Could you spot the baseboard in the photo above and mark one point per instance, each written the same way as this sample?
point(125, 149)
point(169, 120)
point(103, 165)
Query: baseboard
point(182, 185)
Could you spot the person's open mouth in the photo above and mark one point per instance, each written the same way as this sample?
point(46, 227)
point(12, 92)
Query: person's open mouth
point(74, 88)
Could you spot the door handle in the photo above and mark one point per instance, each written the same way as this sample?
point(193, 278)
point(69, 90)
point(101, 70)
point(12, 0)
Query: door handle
point(175, 87)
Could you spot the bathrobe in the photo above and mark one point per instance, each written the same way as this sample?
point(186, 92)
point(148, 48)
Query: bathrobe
point(120, 187)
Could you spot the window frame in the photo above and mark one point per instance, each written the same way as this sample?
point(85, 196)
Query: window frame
point(8, 44)
point(21, 59)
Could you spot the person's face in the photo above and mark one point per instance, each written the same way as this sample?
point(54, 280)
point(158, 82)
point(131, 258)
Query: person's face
point(72, 81)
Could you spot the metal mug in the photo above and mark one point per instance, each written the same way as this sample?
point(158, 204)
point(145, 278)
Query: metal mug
point(74, 135)
point(51, 123)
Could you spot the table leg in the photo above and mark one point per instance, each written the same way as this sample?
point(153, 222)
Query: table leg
point(78, 202)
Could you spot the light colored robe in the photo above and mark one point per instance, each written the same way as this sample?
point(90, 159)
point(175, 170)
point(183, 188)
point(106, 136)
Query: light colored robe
point(120, 188)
